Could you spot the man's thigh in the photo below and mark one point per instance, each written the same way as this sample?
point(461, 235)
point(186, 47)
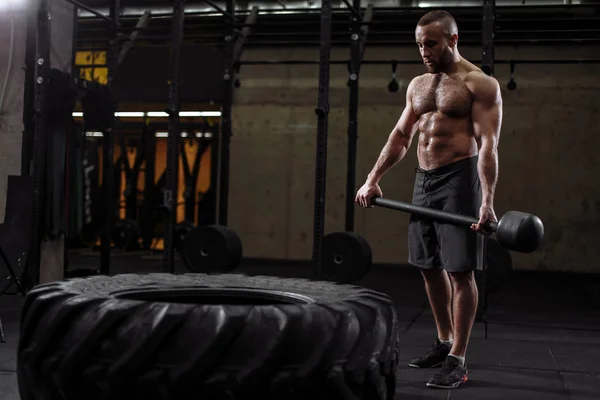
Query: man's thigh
point(459, 243)
point(423, 246)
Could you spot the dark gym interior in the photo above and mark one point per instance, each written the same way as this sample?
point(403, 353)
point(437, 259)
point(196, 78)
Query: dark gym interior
point(149, 140)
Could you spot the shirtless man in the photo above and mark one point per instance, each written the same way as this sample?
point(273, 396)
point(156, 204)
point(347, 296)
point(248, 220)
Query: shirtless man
point(457, 110)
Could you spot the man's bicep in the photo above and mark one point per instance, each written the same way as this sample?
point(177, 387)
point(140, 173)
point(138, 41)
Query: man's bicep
point(486, 112)
point(406, 125)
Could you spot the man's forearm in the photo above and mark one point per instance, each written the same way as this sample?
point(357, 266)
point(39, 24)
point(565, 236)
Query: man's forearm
point(487, 167)
point(394, 150)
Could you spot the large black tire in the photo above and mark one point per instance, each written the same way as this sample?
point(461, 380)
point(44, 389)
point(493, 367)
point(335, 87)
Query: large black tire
point(197, 336)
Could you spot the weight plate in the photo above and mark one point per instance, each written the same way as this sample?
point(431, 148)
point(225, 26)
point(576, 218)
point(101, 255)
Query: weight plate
point(126, 234)
point(212, 248)
point(182, 229)
point(347, 257)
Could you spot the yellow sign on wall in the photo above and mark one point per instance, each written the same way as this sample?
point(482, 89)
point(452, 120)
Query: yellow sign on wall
point(92, 66)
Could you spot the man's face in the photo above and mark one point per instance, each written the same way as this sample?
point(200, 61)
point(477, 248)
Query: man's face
point(435, 47)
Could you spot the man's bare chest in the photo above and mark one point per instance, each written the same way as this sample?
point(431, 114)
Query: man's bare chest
point(437, 92)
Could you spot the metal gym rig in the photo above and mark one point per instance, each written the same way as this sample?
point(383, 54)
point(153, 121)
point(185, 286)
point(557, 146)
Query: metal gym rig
point(339, 256)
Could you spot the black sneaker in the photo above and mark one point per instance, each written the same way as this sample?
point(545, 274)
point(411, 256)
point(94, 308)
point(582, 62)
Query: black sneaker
point(450, 376)
point(433, 358)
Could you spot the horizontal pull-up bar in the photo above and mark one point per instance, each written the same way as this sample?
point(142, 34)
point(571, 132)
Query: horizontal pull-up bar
point(219, 9)
point(415, 62)
point(90, 10)
point(216, 39)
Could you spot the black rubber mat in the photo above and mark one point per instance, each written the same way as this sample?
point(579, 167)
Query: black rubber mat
point(581, 386)
point(487, 382)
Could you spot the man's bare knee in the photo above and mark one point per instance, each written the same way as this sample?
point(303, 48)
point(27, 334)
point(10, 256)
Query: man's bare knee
point(433, 274)
point(462, 279)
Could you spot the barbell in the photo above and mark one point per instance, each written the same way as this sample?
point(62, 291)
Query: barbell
point(516, 230)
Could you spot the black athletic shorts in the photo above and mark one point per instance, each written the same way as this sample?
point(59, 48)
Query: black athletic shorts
point(453, 188)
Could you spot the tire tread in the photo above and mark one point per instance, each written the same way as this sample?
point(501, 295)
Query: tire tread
point(79, 342)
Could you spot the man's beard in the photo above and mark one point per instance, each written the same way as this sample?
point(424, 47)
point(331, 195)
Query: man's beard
point(441, 64)
point(433, 68)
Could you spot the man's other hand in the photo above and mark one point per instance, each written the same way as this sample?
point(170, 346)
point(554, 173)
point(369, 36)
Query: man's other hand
point(486, 214)
point(366, 193)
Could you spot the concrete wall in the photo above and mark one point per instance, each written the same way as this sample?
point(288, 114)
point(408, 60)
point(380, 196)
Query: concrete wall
point(548, 153)
point(13, 29)
point(11, 113)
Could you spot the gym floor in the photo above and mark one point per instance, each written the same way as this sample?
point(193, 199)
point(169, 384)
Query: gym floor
point(543, 332)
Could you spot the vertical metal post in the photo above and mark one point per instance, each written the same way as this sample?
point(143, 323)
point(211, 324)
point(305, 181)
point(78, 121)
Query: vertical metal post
point(487, 65)
point(189, 201)
point(322, 112)
point(38, 170)
point(357, 49)
point(149, 185)
point(108, 145)
point(353, 116)
point(170, 200)
point(74, 131)
point(189, 184)
point(226, 129)
point(74, 69)
point(29, 92)
point(488, 33)
point(482, 264)
point(209, 215)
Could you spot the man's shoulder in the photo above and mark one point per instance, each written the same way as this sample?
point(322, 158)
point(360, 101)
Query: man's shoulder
point(417, 80)
point(421, 77)
point(482, 84)
point(479, 78)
